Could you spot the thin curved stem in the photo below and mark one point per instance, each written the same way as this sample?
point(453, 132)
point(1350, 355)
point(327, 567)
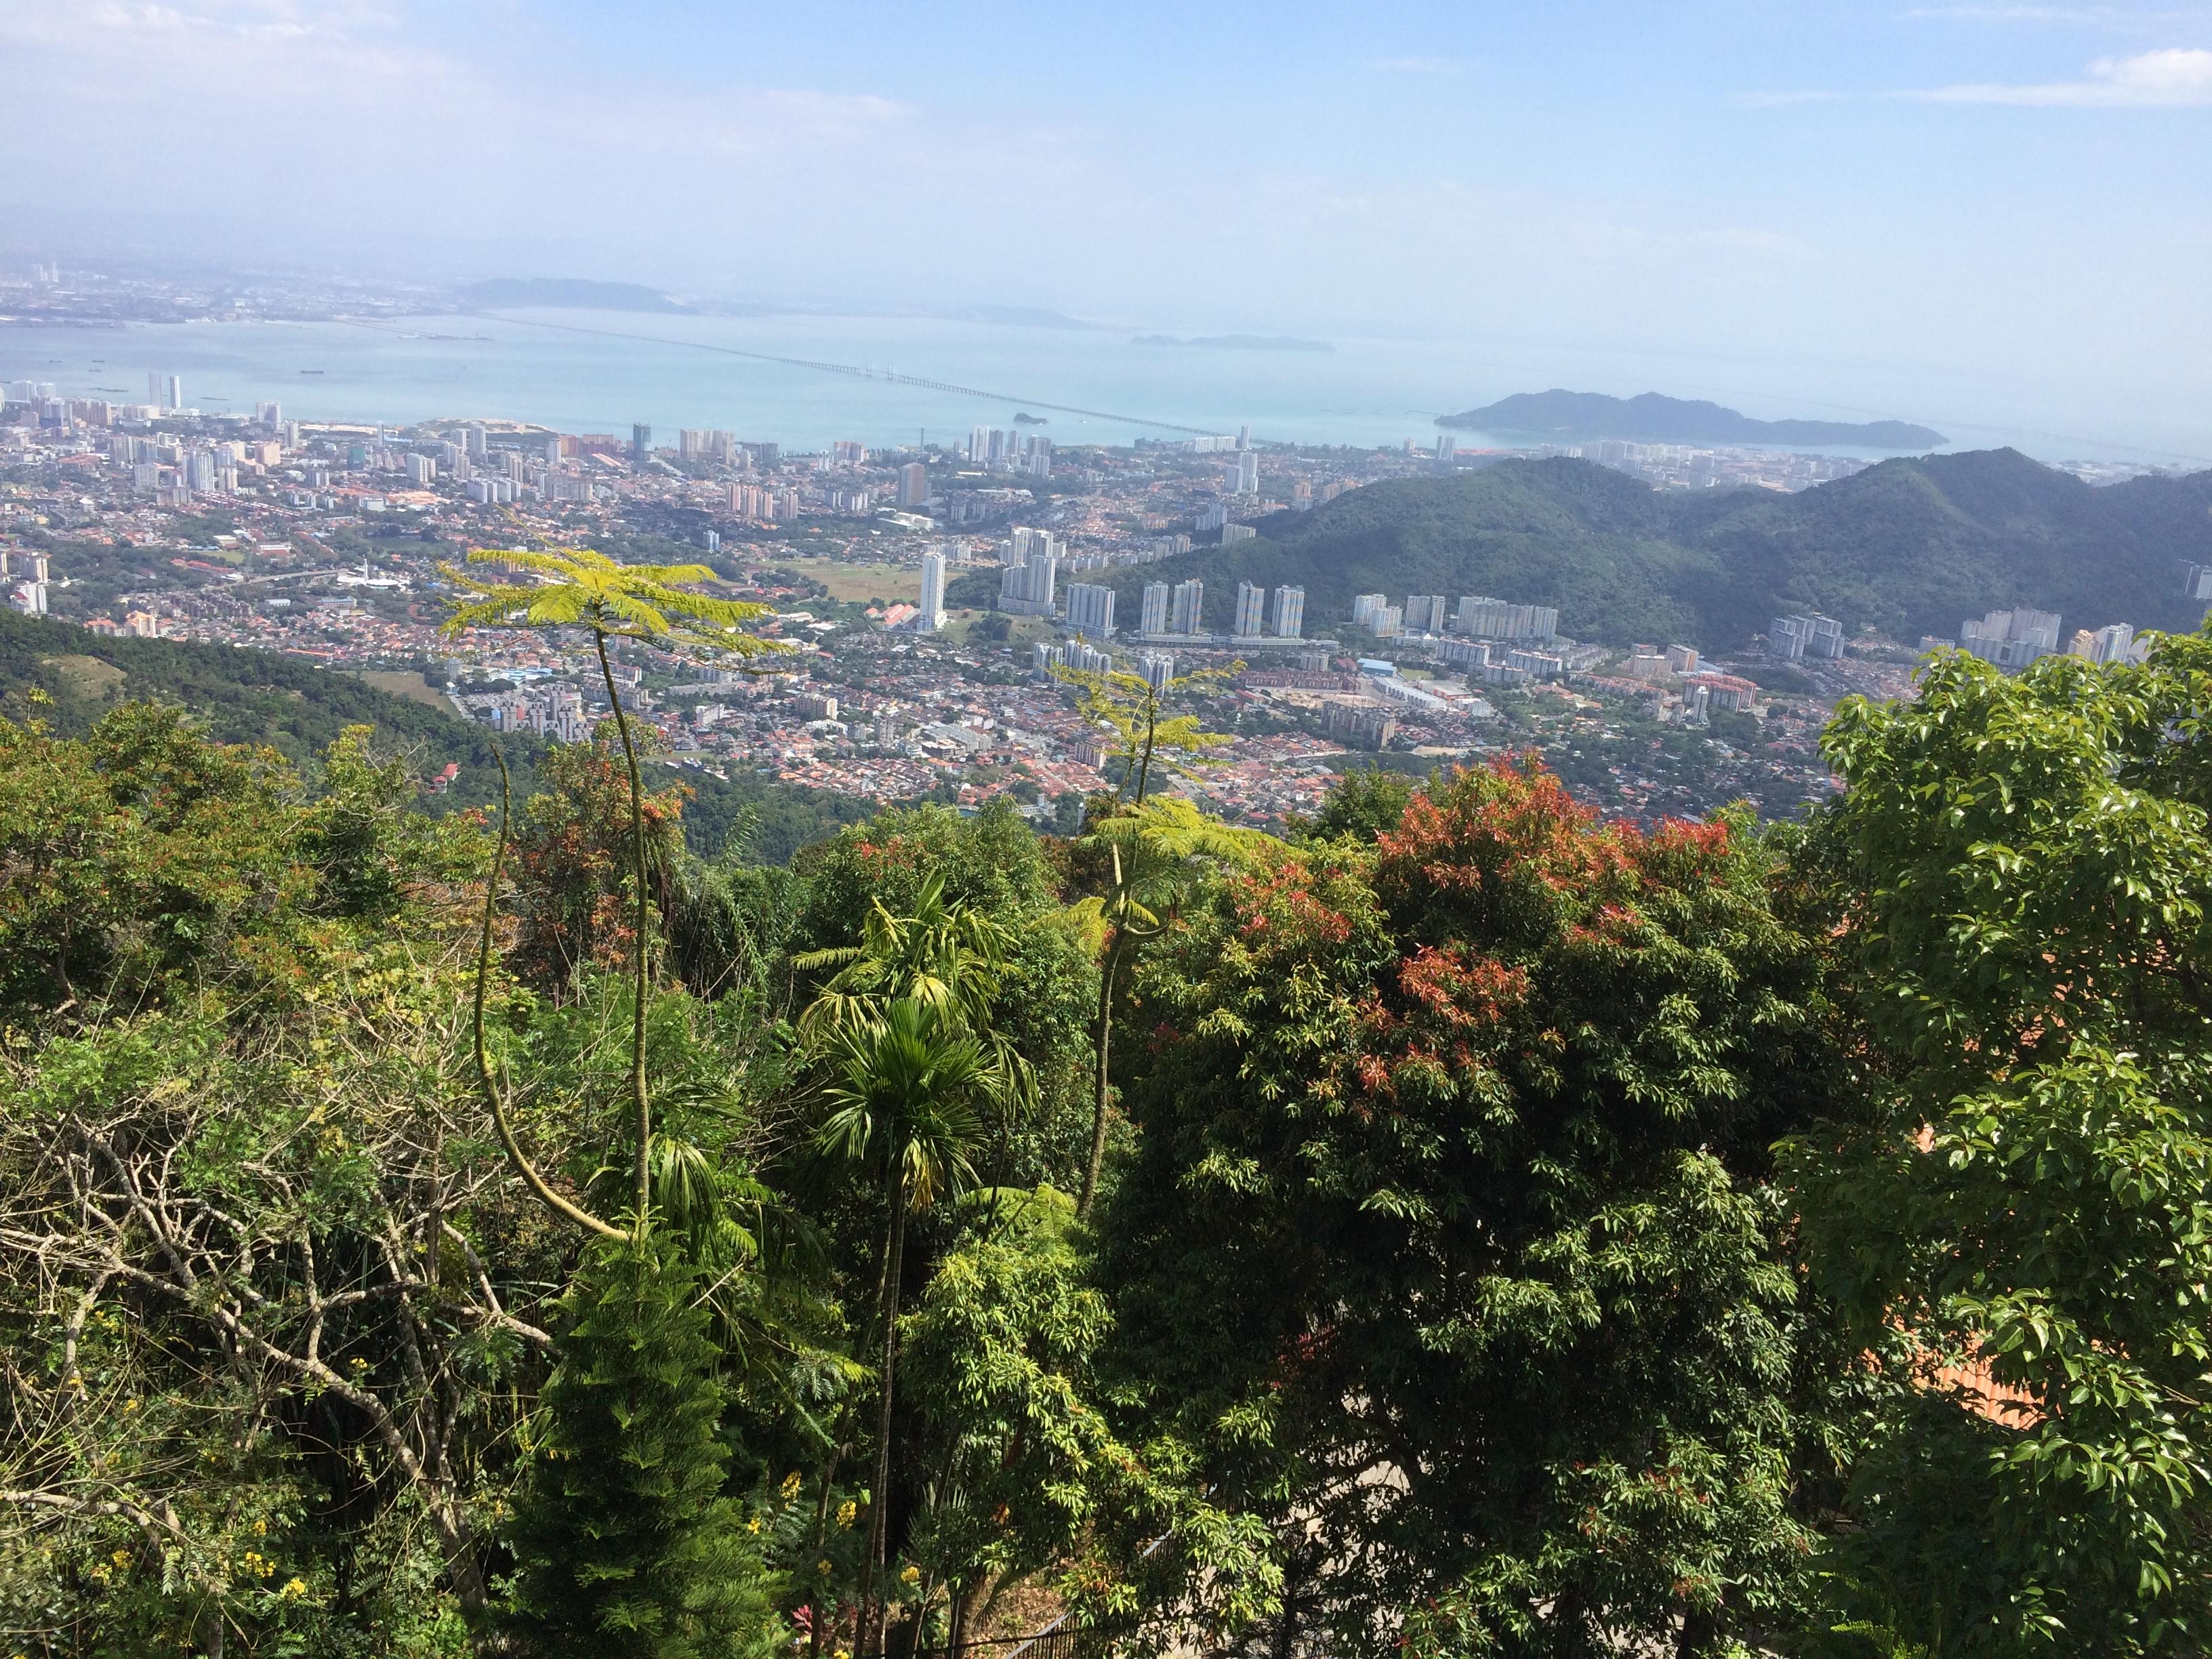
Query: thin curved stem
point(536, 1183)
point(644, 1111)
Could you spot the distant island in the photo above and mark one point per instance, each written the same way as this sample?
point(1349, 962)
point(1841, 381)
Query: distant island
point(1652, 419)
point(1236, 342)
point(1027, 419)
point(569, 293)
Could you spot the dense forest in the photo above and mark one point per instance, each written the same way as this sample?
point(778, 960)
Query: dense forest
point(1463, 1227)
point(1908, 547)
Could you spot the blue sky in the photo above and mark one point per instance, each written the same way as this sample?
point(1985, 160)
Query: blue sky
point(1995, 193)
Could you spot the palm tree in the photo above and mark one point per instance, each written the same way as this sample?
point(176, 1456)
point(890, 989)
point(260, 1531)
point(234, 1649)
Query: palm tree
point(583, 588)
point(903, 1106)
point(947, 956)
point(1156, 848)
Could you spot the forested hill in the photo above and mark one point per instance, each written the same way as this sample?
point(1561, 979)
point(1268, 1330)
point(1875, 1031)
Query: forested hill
point(1569, 416)
point(1908, 546)
point(298, 708)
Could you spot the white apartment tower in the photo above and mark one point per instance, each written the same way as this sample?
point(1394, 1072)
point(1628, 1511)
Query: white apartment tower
point(1091, 609)
point(1153, 617)
point(1186, 606)
point(1290, 612)
point(1251, 610)
point(932, 608)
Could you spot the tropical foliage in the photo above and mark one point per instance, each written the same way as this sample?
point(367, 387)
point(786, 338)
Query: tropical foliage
point(1466, 1227)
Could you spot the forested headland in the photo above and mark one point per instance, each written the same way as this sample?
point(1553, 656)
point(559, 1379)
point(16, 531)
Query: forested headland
point(1460, 1226)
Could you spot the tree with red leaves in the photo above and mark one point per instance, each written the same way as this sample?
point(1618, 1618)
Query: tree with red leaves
point(1450, 1247)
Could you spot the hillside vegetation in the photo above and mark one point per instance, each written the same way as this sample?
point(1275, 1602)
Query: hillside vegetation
point(1465, 1229)
point(299, 708)
point(1908, 547)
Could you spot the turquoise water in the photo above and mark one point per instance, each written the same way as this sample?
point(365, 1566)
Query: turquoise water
point(671, 372)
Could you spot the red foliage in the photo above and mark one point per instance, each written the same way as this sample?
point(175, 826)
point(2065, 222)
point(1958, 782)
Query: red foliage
point(1278, 908)
point(1501, 825)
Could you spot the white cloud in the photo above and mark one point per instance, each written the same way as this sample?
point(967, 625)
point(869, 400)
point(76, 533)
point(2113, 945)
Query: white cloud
point(2175, 78)
point(2178, 76)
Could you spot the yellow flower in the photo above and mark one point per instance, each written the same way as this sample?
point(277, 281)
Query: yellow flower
point(261, 1530)
point(753, 1525)
point(911, 1574)
point(847, 1512)
point(295, 1589)
point(822, 1565)
point(121, 1558)
point(790, 1487)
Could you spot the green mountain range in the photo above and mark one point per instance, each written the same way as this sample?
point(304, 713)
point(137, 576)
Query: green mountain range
point(1573, 417)
point(69, 678)
point(1908, 546)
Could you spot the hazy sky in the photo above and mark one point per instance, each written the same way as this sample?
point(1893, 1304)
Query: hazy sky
point(2021, 192)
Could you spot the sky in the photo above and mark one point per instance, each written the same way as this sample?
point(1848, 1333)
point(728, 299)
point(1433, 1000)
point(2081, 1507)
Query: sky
point(1995, 194)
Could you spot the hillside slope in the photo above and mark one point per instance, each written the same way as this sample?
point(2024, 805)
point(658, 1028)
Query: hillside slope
point(1908, 546)
point(298, 708)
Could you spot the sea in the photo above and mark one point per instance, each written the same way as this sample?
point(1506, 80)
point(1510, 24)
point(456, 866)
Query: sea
point(806, 380)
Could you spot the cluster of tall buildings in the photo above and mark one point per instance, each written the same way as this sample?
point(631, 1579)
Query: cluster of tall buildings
point(765, 502)
point(1073, 655)
point(998, 451)
point(1795, 639)
point(25, 574)
point(2011, 639)
point(1026, 585)
point(1478, 616)
point(1177, 610)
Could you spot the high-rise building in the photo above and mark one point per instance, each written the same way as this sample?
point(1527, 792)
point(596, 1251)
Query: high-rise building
point(1153, 617)
point(1365, 607)
point(1091, 609)
point(473, 439)
point(1026, 585)
point(1446, 446)
point(640, 441)
point(2113, 644)
point(914, 484)
point(1247, 472)
point(1157, 669)
point(2011, 639)
point(1290, 618)
point(1498, 619)
point(1233, 533)
point(1187, 607)
point(175, 396)
point(154, 387)
point(1425, 613)
point(1793, 639)
point(1251, 610)
point(932, 609)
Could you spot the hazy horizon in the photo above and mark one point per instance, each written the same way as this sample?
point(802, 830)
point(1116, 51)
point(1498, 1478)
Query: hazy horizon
point(2008, 197)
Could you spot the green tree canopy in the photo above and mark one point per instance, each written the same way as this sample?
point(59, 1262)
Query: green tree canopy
point(1448, 1244)
point(2021, 880)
